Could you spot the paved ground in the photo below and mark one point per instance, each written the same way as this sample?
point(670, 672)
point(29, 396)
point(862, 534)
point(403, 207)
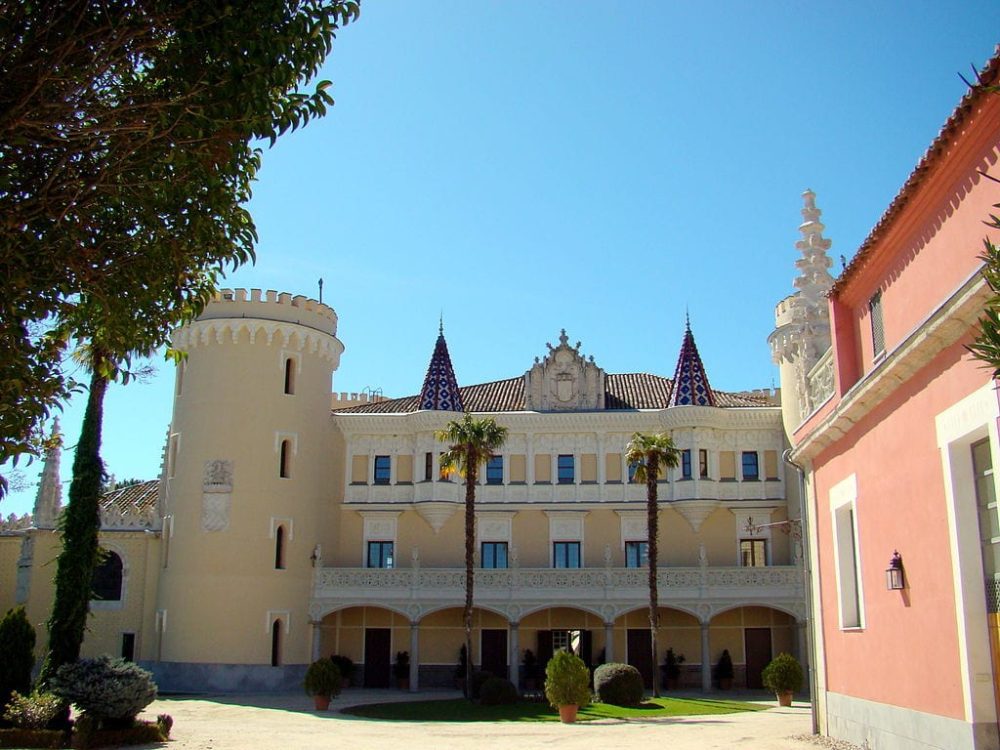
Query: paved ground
point(287, 720)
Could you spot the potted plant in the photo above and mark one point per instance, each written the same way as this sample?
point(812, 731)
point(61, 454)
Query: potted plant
point(783, 676)
point(530, 672)
point(567, 684)
point(322, 682)
point(724, 670)
point(402, 670)
point(672, 669)
point(346, 667)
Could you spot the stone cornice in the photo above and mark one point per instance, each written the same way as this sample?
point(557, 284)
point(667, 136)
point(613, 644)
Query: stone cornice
point(223, 330)
point(942, 328)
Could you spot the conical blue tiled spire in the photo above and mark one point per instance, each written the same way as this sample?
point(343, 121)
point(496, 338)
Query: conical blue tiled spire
point(440, 391)
point(691, 386)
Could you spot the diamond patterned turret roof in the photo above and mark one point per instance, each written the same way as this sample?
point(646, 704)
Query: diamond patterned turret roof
point(440, 391)
point(691, 386)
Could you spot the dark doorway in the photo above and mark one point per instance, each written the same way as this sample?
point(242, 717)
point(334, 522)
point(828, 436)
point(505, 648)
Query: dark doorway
point(758, 650)
point(493, 656)
point(377, 657)
point(128, 646)
point(640, 653)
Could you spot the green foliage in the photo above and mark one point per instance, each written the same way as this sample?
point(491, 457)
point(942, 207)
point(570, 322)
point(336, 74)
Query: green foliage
point(322, 678)
point(128, 132)
point(479, 678)
point(401, 667)
point(672, 664)
point(986, 347)
point(567, 680)
point(165, 722)
point(17, 654)
point(618, 684)
point(783, 674)
point(345, 665)
point(32, 711)
point(21, 738)
point(651, 454)
point(497, 691)
point(105, 689)
point(724, 669)
point(87, 733)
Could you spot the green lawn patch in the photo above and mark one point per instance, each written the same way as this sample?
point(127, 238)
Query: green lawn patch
point(460, 709)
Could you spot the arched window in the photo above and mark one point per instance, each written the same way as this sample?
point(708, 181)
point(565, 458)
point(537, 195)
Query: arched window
point(279, 548)
point(285, 459)
point(107, 584)
point(290, 376)
point(276, 643)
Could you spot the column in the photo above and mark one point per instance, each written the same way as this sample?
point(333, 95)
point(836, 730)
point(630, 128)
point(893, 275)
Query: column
point(706, 660)
point(554, 466)
point(515, 655)
point(316, 636)
point(414, 657)
point(609, 642)
point(529, 462)
point(803, 648)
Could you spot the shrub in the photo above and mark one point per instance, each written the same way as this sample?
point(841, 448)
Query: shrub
point(345, 665)
point(165, 722)
point(479, 679)
point(497, 691)
point(322, 678)
point(567, 680)
point(17, 654)
point(618, 684)
point(105, 688)
point(33, 738)
point(724, 669)
point(142, 733)
point(783, 674)
point(33, 711)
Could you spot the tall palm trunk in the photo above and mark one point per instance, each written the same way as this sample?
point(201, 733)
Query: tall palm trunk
point(470, 573)
point(80, 524)
point(652, 524)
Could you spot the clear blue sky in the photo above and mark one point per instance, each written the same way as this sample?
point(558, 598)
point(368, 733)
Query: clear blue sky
point(596, 166)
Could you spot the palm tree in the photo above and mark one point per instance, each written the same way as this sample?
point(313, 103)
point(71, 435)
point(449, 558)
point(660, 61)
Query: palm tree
point(651, 455)
point(471, 442)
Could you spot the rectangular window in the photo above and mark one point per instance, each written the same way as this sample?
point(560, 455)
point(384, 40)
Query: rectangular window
point(847, 567)
point(702, 463)
point(751, 470)
point(565, 554)
point(685, 464)
point(753, 553)
point(878, 332)
point(443, 475)
point(631, 472)
point(636, 554)
point(383, 465)
point(567, 472)
point(494, 554)
point(567, 640)
point(989, 523)
point(428, 466)
point(494, 471)
point(380, 555)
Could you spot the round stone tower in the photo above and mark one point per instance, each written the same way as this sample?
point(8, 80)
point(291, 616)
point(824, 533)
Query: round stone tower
point(247, 477)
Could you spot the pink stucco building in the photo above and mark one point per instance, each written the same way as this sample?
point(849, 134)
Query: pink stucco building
point(894, 425)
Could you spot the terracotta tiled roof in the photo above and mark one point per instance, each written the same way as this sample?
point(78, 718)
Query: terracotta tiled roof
point(989, 76)
point(134, 497)
point(630, 390)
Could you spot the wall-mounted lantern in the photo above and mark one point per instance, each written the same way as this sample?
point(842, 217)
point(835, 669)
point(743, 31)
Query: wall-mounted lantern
point(894, 580)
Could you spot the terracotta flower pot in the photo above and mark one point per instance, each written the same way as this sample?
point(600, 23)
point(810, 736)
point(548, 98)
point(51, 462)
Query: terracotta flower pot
point(567, 714)
point(785, 698)
point(322, 702)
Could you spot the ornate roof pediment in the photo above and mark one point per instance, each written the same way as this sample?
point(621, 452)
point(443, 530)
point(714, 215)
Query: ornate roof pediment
point(564, 380)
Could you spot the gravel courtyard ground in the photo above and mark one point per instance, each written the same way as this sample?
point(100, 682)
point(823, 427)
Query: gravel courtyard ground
point(287, 720)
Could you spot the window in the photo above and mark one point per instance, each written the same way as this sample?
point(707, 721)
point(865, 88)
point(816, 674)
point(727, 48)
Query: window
point(631, 472)
point(107, 585)
point(380, 555)
point(989, 528)
point(180, 377)
point(847, 567)
point(279, 548)
point(428, 466)
point(285, 459)
point(565, 554)
point(276, 643)
point(128, 646)
point(751, 471)
point(567, 640)
point(494, 554)
point(702, 463)
point(494, 471)
point(290, 376)
point(443, 474)
point(636, 554)
point(753, 553)
point(566, 469)
point(383, 466)
point(685, 464)
point(878, 332)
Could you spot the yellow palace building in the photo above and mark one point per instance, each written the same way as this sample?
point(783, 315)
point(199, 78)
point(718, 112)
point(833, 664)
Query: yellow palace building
point(291, 522)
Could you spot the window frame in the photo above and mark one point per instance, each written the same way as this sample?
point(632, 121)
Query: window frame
point(378, 468)
point(703, 463)
point(877, 323)
point(754, 562)
point(637, 553)
point(493, 465)
point(565, 462)
point(493, 558)
point(567, 546)
point(755, 477)
point(686, 464)
point(385, 562)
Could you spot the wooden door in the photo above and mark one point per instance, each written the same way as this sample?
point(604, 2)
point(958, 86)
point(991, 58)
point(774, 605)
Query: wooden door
point(640, 653)
point(493, 653)
point(378, 657)
point(758, 654)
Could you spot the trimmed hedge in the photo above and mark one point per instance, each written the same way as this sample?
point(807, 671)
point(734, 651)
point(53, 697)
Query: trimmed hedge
point(34, 738)
point(105, 688)
point(618, 684)
point(497, 691)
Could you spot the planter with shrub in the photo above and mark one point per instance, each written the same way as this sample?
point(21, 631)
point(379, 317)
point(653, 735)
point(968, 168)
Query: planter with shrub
point(567, 684)
point(346, 667)
point(322, 682)
point(783, 676)
point(401, 670)
point(672, 669)
point(724, 670)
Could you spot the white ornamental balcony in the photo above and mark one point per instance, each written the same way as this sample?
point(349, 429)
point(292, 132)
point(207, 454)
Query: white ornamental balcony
point(608, 592)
